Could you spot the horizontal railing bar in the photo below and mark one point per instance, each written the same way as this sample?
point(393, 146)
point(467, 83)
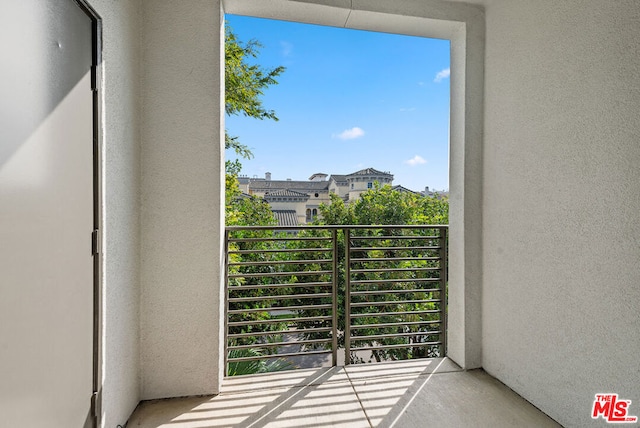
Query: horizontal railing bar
point(407, 291)
point(384, 314)
point(400, 345)
point(276, 344)
point(395, 259)
point(284, 250)
point(388, 237)
point(281, 262)
point(262, 357)
point(264, 274)
point(339, 227)
point(391, 336)
point(359, 249)
point(279, 332)
point(426, 269)
point(277, 308)
point(278, 321)
point(393, 281)
point(264, 286)
point(282, 239)
point(394, 324)
point(393, 302)
point(282, 297)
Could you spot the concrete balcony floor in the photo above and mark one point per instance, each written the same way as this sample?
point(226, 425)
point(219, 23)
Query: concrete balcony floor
point(404, 394)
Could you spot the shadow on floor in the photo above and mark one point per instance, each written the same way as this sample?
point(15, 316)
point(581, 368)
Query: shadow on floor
point(404, 394)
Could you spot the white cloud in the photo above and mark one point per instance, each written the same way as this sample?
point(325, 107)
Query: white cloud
point(443, 74)
point(350, 134)
point(416, 160)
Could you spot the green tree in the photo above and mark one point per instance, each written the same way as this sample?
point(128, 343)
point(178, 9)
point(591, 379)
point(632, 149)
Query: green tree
point(383, 205)
point(245, 83)
point(336, 213)
point(245, 211)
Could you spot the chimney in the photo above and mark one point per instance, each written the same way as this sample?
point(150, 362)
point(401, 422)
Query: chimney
point(267, 176)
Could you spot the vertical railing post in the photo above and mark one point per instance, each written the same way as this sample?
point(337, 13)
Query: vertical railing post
point(347, 296)
point(334, 299)
point(443, 289)
point(226, 302)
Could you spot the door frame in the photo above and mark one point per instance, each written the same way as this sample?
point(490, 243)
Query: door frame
point(97, 238)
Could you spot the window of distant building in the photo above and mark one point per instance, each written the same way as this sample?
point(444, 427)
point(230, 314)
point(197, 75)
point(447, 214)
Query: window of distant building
point(352, 185)
point(308, 214)
point(315, 212)
point(316, 195)
point(369, 185)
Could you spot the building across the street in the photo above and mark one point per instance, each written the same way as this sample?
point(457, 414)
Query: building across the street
point(296, 202)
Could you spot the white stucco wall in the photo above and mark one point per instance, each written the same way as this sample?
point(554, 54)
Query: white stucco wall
point(561, 296)
point(544, 228)
point(120, 209)
point(559, 316)
point(182, 198)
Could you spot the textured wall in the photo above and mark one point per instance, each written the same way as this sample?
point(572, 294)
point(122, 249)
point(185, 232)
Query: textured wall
point(182, 198)
point(121, 195)
point(561, 296)
point(559, 314)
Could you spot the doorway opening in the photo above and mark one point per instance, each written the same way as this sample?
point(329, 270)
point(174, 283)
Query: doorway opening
point(464, 26)
point(366, 98)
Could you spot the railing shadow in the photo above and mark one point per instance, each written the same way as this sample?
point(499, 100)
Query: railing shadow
point(360, 395)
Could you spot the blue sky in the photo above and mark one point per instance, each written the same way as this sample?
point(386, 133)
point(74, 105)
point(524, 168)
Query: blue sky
point(348, 100)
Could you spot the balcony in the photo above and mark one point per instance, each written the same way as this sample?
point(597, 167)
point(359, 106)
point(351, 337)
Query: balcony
point(341, 326)
point(402, 394)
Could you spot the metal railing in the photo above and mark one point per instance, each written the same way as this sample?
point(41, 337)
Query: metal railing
point(378, 292)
